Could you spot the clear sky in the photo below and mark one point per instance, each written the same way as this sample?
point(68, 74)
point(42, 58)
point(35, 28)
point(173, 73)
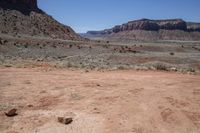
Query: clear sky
point(84, 15)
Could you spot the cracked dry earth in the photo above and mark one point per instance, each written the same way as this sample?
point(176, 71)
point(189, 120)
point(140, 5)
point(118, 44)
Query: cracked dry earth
point(99, 102)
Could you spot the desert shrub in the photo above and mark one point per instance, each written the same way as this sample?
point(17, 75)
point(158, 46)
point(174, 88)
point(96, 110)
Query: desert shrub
point(7, 65)
point(121, 67)
point(69, 64)
point(4, 32)
point(79, 47)
point(191, 70)
point(105, 46)
point(171, 53)
point(122, 48)
point(26, 45)
point(5, 41)
point(54, 46)
point(161, 67)
point(134, 51)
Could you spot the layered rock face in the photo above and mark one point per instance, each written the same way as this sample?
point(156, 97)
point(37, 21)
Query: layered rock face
point(173, 24)
point(193, 27)
point(25, 18)
point(146, 29)
point(150, 25)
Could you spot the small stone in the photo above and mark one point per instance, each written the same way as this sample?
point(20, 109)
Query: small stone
point(30, 105)
point(11, 113)
point(65, 121)
point(98, 85)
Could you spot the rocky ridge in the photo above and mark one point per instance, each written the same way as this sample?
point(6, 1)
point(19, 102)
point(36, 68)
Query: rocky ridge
point(23, 17)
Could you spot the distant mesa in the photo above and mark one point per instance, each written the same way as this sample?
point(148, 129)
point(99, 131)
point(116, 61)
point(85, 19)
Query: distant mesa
point(152, 25)
point(147, 29)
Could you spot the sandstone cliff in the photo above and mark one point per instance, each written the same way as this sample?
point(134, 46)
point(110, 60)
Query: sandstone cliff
point(146, 29)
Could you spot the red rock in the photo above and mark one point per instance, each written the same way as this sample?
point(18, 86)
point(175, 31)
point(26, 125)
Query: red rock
point(146, 24)
point(65, 121)
point(30, 105)
point(11, 113)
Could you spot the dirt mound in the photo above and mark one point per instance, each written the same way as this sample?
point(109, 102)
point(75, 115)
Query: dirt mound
point(25, 18)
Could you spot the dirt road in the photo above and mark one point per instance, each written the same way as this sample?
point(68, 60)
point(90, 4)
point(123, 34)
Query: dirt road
point(99, 102)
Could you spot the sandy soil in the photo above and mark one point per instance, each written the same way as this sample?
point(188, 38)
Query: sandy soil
point(99, 102)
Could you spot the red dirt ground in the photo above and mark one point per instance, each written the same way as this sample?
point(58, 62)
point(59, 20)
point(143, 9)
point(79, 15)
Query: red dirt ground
point(99, 102)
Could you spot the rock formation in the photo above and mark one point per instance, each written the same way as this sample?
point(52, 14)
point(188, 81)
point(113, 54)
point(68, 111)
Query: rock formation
point(32, 4)
point(193, 27)
point(24, 6)
point(146, 24)
point(23, 17)
point(148, 29)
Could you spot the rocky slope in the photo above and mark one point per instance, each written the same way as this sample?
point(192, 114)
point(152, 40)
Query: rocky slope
point(23, 17)
point(146, 29)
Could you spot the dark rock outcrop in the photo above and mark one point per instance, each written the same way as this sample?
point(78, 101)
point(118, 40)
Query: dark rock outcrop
point(32, 4)
point(24, 6)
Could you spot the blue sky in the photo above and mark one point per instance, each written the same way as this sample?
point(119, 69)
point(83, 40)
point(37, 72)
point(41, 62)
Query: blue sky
point(84, 15)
